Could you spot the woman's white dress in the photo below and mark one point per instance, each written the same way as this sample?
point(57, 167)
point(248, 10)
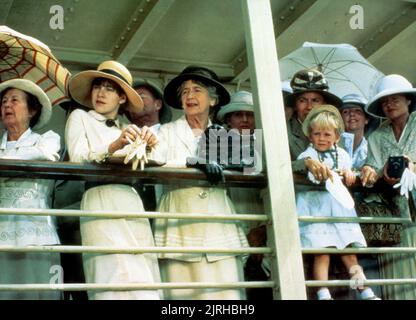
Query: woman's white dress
point(88, 138)
point(322, 204)
point(177, 142)
point(21, 231)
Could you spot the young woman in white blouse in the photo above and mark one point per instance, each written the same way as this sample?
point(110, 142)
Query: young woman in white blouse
point(91, 137)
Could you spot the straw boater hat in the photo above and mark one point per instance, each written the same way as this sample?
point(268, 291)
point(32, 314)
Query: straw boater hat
point(165, 114)
point(353, 101)
point(320, 109)
point(389, 85)
point(311, 80)
point(80, 84)
point(197, 73)
point(240, 101)
point(31, 87)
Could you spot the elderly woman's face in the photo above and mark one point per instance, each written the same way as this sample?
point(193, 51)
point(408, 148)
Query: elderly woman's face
point(14, 109)
point(395, 106)
point(195, 99)
point(305, 102)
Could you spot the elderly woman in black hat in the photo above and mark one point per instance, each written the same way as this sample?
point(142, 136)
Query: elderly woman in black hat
point(25, 108)
point(310, 89)
point(91, 137)
point(394, 102)
point(199, 93)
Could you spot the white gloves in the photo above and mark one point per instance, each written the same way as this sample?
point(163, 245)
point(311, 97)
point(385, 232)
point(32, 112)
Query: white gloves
point(407, 183)
point(137, 153)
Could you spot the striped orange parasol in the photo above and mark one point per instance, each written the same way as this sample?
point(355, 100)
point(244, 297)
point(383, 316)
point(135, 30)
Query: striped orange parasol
point(25, 57)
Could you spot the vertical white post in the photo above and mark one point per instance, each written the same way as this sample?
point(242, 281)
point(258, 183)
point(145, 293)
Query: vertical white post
point(265, 81)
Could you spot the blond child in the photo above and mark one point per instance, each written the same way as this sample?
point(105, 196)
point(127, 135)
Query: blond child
point(323, 126)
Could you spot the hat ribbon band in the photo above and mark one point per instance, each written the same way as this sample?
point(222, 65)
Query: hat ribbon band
point(114, 73)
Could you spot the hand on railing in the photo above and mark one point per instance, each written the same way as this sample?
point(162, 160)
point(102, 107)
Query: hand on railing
point(317, 171)
point(212, 169)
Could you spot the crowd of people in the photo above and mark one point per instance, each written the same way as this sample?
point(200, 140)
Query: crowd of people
point(331, 139)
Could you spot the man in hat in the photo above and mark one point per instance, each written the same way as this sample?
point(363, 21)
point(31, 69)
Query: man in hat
point(155, 112)
point(310, 89)
point(358, 123)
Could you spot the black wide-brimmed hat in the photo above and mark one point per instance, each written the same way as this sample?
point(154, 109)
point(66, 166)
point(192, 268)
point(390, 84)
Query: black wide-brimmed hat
point(197, 73)
point(311, 80)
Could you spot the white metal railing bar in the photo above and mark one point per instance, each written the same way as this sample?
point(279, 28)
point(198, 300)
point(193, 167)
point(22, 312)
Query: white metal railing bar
point(359, 250)
point(136, 250)
point(355, 219)
point(354, 282)
point(192, 216)
point(131, 214)
point(194, 285)
point(250, 250)
point(134, 286)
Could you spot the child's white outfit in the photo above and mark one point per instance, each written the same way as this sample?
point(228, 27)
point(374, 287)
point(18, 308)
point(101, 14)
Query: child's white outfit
point(322, 204)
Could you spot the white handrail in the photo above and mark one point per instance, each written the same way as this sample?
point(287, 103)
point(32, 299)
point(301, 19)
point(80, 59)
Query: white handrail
point(135, 250)
point(131, 214)
point(133, 286)
point(355, 219)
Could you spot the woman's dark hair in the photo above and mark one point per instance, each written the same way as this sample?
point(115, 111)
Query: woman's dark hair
point(115, 85)
point(412, 105)
point(33, 104)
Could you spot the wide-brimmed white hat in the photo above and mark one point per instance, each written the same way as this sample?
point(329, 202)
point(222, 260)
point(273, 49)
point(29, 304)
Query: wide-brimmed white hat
point(389, 85)
point(32, 88)
point(80, 84)
point(240, 101)
point(319, 109)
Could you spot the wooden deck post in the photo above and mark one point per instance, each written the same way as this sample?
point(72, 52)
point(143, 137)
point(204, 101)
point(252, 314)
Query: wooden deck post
point(283, 235)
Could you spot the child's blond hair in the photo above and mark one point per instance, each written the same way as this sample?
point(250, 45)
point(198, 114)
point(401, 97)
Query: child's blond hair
point(326, 120)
